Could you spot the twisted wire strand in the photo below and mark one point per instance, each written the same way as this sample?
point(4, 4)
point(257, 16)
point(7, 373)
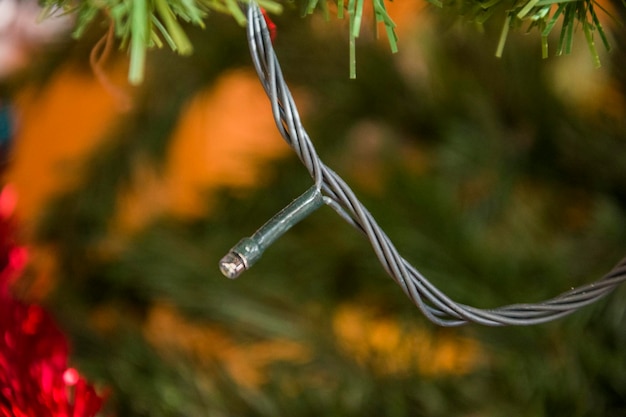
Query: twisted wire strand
point(432, 302)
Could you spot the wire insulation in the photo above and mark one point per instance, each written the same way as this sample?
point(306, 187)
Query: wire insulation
point(433, 303)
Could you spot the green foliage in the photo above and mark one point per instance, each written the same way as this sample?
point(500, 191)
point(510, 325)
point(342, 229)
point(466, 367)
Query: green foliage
point(144, 24)
point(543, 16)
point(354, 10)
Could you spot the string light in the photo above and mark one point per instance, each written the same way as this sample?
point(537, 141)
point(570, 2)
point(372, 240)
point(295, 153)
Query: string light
point(330, 188)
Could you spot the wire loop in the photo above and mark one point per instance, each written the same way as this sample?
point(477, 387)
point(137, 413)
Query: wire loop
point(433, 303)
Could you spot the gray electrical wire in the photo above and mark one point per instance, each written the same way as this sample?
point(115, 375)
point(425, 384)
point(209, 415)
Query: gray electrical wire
point(437, 307)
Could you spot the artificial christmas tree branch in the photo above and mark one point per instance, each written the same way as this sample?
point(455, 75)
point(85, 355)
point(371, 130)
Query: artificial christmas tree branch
point(144, 24)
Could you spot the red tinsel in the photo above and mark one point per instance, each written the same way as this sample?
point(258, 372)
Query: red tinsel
point(35, 379)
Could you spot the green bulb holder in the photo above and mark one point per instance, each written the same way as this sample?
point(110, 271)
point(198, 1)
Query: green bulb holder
point(250, 249)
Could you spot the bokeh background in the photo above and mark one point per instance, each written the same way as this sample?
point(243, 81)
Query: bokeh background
point(502, 180)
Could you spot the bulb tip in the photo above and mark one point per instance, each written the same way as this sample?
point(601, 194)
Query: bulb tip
point(232, 265)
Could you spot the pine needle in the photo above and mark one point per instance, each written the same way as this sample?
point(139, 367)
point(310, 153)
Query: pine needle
point(598, 26)
point(548, 29)
point(182, 45)
point(503, 35)
point(138, 41)
point(526, 9)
